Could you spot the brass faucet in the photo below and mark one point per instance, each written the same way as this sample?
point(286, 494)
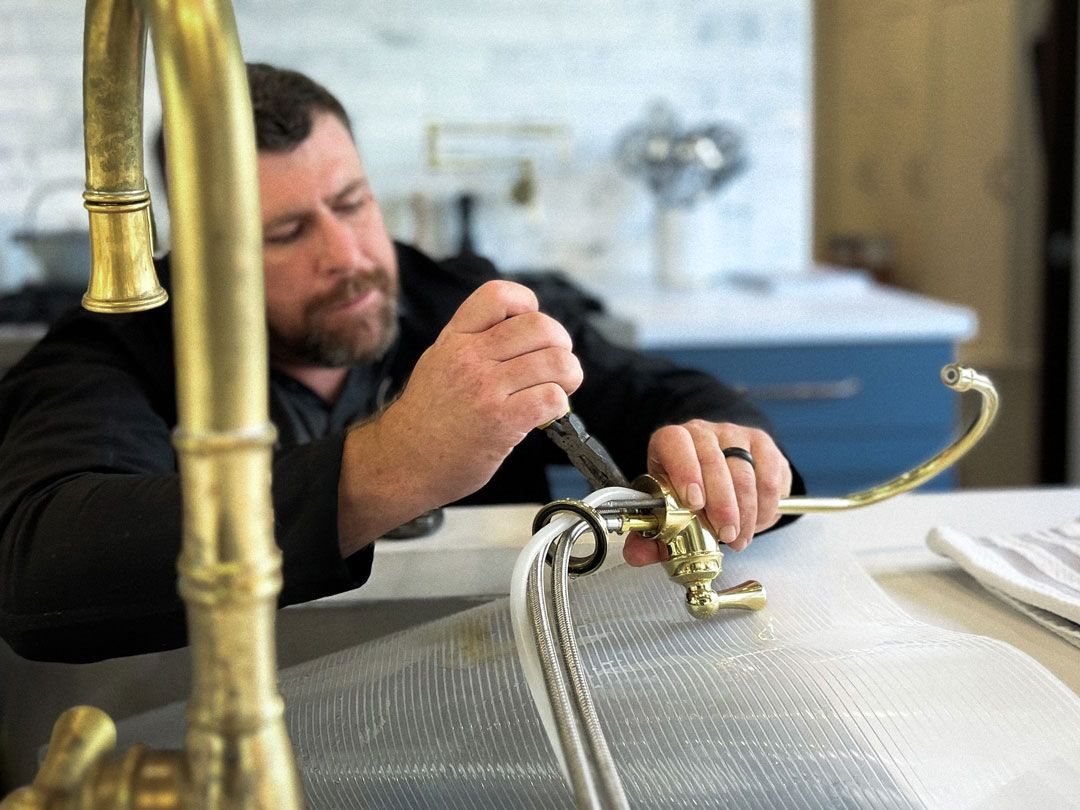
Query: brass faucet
point(442, 156)
point(693, 558)
point(236, 752)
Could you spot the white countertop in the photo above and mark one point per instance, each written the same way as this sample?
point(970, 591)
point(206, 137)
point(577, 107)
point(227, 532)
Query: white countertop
point(818, 307)
point(815, 308)
point(473, 554)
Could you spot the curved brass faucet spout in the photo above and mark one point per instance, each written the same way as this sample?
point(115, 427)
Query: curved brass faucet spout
point(957, 377)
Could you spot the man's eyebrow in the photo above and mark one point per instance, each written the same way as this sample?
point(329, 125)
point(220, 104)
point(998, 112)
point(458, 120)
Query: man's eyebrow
point(360, 184)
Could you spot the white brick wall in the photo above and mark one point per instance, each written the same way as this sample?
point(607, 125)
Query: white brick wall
point(592, 66)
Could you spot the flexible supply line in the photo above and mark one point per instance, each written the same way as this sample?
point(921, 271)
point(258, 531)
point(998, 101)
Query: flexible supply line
point(610, 784)
point(543, 631)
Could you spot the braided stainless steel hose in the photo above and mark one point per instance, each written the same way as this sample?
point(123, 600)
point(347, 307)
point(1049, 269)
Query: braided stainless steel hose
point(564, 701)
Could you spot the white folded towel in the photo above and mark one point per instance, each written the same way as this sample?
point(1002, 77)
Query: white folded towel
point(1037, 572)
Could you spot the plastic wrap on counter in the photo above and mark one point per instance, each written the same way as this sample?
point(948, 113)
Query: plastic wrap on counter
point(831, 697)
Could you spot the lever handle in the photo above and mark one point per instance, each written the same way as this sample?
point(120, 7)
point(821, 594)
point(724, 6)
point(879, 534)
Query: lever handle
point(749, 595)
point(80, 738)
point(846, 388)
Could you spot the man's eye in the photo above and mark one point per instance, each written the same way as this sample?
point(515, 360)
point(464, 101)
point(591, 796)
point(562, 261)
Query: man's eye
point(283, 236)
point(348, 206)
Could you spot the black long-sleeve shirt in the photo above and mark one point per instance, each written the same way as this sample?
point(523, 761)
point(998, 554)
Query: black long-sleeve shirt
point(90, 494)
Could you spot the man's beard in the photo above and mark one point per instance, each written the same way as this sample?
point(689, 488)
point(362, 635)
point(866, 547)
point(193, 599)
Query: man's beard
point(367, 341)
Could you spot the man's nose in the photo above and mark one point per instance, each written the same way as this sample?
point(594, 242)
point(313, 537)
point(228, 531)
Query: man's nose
point(342, 249)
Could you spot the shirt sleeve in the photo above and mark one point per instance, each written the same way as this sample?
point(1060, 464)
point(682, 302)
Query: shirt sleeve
point(90, 508)
point(625, 396)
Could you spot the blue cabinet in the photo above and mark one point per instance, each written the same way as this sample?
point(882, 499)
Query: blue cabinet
point(848, 371)
point(849, 416)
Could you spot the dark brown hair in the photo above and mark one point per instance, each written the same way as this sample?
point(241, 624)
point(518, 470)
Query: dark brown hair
point(284, 103)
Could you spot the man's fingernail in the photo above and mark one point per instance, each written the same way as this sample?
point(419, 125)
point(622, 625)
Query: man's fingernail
point(694, 498)
point(728, 534)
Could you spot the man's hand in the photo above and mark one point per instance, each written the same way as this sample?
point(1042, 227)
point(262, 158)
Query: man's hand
point(732, 497)
point(499, 369)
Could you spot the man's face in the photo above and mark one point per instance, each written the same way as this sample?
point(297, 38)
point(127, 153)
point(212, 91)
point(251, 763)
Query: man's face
point(330, 267)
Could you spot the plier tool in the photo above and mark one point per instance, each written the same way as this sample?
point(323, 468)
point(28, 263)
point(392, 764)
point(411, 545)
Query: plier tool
point(585, 452)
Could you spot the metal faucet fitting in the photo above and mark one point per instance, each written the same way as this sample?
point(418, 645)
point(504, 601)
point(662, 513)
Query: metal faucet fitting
point(694, 557)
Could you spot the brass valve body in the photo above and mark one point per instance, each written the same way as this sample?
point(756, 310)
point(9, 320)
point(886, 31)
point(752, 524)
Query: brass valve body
point(694, 558)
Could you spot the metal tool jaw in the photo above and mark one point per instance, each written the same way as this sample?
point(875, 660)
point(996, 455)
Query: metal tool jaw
point(585, 451)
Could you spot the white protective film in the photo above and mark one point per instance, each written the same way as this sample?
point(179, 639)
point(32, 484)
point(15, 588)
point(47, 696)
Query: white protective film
point(830, 698)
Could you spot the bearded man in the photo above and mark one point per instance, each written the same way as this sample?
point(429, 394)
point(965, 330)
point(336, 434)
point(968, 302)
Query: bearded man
point(398, 384)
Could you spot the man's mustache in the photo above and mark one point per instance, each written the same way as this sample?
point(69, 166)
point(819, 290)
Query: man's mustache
point(351, 287)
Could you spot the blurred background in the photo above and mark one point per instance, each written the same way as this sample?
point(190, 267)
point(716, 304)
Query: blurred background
point(652, 149)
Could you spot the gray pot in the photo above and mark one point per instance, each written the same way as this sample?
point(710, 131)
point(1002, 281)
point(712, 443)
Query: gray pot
point(64, 252)
point(64, 256)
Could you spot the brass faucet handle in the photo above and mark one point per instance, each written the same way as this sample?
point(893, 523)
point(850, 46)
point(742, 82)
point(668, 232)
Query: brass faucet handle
point(80, 738)
point(749, 595)
point(695, 572)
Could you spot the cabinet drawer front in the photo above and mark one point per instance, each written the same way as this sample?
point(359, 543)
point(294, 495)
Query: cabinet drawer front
point(855, 461)
point(836, 387)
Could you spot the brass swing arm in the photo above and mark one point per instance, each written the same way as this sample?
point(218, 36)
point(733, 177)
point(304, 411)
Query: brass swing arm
point(957, 377)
